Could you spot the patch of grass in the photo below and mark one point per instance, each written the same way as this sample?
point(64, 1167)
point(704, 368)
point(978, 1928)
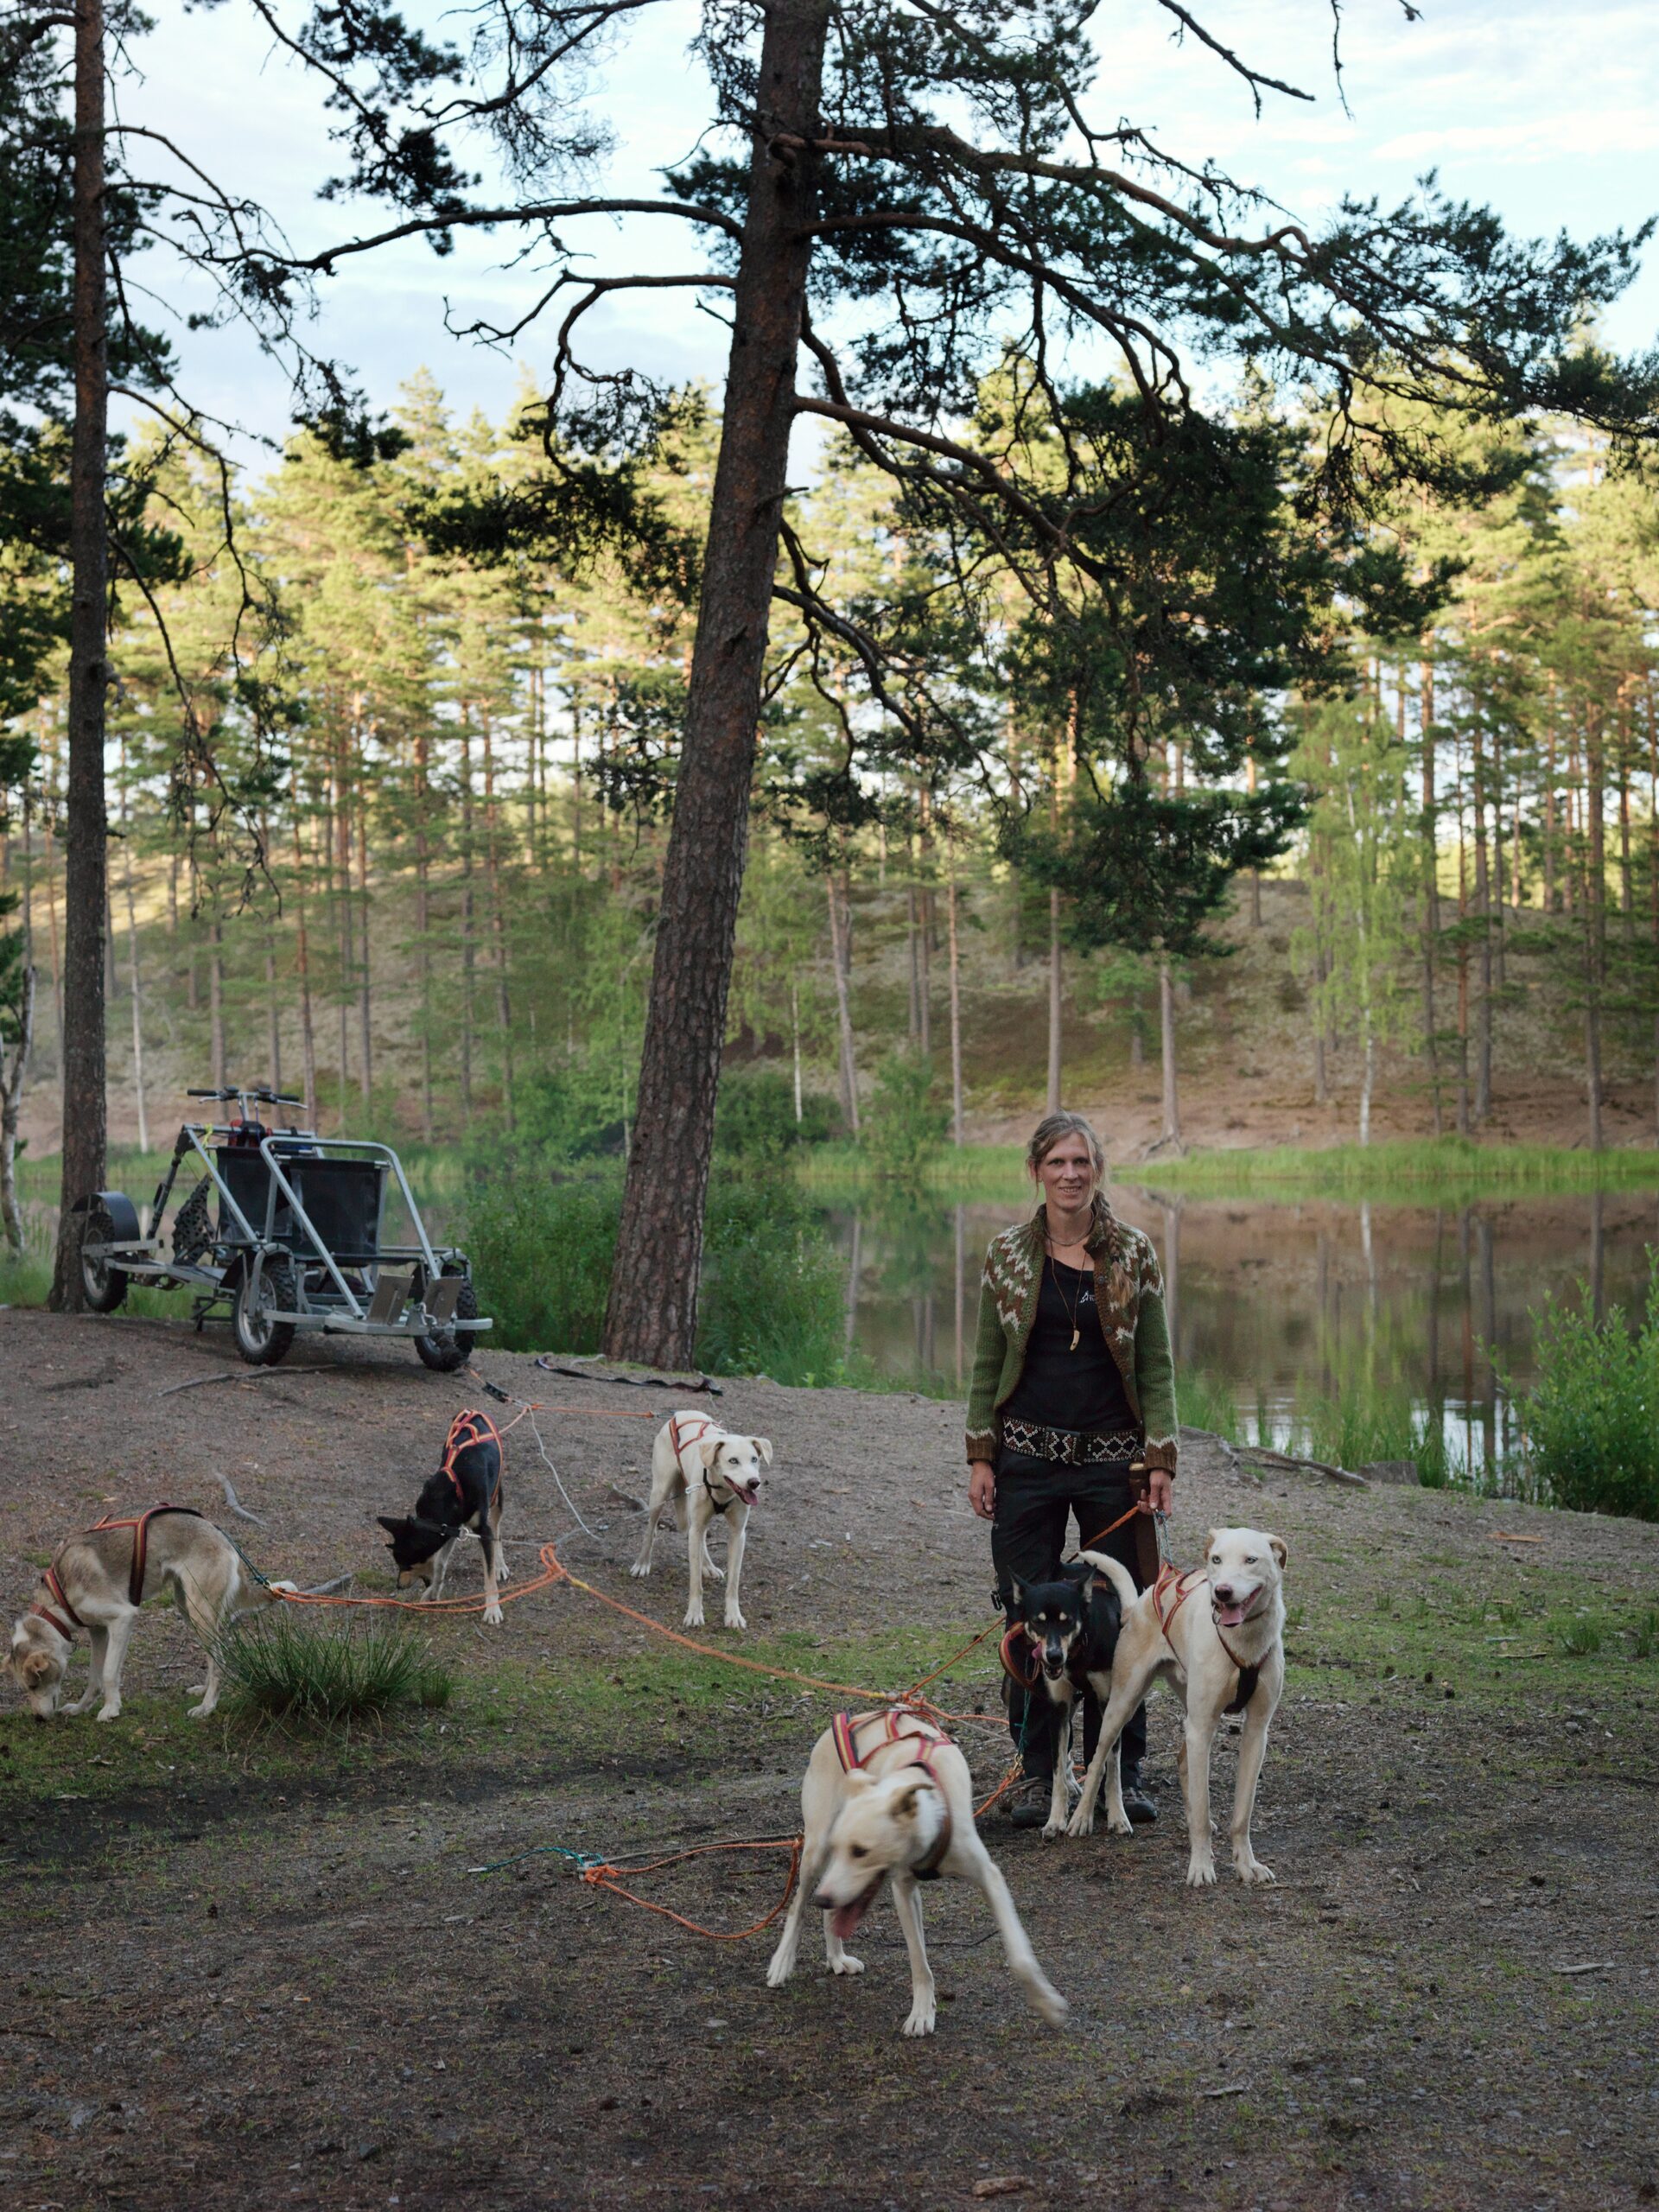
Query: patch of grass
point(322, 1675)
point(1645, 1640)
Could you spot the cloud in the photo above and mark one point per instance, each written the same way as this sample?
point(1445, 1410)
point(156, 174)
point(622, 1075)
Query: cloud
point(1542, 136)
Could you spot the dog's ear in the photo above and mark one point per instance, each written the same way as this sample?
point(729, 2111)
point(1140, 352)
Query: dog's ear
point(1081, 1574)
point(855, 1781)
point(763, 1446)
point(1280, 1548)
point(903, 1806)
point(391, 1527)
point(1016, 1590)
point(707, 1449)
point(34, 1670)
point(1208, 1541)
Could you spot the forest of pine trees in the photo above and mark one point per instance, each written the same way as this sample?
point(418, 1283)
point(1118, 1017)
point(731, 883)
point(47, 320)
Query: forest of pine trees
point(387, 817)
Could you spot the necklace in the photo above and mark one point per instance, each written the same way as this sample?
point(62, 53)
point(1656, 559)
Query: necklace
point(1054, 1270)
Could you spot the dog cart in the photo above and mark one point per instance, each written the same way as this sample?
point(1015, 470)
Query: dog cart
point(285, 1229)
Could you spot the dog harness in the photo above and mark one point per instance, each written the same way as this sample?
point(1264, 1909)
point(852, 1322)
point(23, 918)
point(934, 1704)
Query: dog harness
point(1182, 1586)
point(140, 1528)
point(55, 1592)
point(468, 1428)
point(693, 1432)
point(844, 1729)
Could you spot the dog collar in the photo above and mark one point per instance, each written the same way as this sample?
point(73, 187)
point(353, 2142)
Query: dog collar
point(59, 1596)
point(928, 1869)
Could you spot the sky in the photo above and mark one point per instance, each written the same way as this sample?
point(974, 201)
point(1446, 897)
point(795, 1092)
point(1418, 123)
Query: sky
point(1549, 112)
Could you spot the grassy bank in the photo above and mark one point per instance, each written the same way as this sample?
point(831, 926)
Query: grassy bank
point(1433, 1172)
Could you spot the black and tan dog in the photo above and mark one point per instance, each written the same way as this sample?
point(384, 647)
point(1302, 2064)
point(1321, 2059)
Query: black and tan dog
point(1065, 1638)
point(464, 1494)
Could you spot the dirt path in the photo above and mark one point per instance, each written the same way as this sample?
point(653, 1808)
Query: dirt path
point(255, 1970)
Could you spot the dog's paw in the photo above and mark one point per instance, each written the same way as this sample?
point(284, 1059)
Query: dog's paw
point(693, 1616)
point(1254, 1873)
point(503, 1572)
point(734, 1620)
point(110, 1712)
point(640, 1567)
point(1081, 1823)
point(81, 1703)
point(1118, 1824)
point(779, 1971)
point(1053, 1829)
point(202, 1712)
point(1050, 2003)
point(1201, 1874)
point(923, 2014)
point(847, 1964)
point(492, 1616)
point(714, 1573)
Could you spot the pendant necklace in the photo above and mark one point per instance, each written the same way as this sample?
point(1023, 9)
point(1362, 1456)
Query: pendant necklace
point(1054, 1270)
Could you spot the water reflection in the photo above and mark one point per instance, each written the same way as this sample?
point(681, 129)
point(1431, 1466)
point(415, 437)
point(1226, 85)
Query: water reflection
point(1280, 1304)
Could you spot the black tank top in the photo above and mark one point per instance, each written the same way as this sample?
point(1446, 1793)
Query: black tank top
point(1059, 1387)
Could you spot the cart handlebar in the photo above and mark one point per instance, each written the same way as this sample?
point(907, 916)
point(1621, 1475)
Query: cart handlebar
point(264, 1097)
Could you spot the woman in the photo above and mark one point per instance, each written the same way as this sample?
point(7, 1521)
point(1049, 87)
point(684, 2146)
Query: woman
point(1073, 1381)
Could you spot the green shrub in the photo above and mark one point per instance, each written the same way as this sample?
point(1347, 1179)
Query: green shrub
point(541, 1245)
point(319, 1675)
point(906, 1120)
point(772, 1299)
point(1592, 1418)
point(754, 1118)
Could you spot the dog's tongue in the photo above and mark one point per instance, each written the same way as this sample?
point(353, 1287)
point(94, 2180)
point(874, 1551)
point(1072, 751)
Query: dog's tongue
point(1230, 1616)
point(845, 1919)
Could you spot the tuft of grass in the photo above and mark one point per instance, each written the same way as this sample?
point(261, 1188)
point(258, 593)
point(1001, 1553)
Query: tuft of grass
point(1581, 1637)
point(1646, 1642)
point(320, 1676)
point(1208, 1404)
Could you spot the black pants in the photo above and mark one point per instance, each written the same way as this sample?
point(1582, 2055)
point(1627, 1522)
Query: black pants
point(1034, 1499)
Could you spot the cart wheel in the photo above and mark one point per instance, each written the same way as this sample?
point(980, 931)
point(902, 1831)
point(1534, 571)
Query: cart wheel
point(261, 1340)
point(102, 1284)
point(448, 1349)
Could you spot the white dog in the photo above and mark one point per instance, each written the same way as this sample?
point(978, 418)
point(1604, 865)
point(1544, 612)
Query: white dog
point(700, 1474)
point(1226, 1656)
point(886, 1795)
point(98, 1579)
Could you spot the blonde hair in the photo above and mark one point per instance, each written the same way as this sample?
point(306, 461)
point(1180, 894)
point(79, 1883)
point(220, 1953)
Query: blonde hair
point(1049, 1132)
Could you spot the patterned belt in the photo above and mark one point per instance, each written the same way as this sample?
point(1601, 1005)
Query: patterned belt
point(1073, 1447)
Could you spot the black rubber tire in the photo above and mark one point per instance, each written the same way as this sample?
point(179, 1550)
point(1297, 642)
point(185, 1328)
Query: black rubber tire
point(102, 1285)
point(263, 1342)
point(446, 1350)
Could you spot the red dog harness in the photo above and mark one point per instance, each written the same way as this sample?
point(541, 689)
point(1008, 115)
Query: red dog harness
point(468, 1428)
point(844, 1729)
point(140, 1529)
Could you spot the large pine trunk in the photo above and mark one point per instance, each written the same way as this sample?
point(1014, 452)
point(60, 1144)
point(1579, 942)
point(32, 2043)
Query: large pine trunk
point(86, 879)
point(652, 1315)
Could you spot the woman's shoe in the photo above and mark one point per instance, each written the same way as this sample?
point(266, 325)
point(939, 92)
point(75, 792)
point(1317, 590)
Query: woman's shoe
point(1028, 1800)
point(1138, 1802)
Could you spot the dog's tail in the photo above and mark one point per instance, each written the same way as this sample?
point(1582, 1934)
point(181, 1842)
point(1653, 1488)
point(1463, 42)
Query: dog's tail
point(1115, 1573)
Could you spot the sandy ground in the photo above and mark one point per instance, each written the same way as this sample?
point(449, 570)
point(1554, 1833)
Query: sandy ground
point(253, 1969)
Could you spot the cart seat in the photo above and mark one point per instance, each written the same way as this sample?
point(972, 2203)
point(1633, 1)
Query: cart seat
point(342, 1198)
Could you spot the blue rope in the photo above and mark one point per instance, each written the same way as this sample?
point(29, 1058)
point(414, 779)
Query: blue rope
point(580, 1859)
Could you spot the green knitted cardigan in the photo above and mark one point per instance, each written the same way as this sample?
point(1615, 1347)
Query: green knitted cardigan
point(1129, 1299)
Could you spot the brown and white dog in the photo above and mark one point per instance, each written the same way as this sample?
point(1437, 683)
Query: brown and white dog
point(98, 1579)
point(1218, 1635)
point(892, 1798)
point(700, 1474)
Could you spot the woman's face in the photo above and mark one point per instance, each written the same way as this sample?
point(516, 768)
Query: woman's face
point(1066, 1174)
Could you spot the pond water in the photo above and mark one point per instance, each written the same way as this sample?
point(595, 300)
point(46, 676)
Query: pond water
point(1275, 1305)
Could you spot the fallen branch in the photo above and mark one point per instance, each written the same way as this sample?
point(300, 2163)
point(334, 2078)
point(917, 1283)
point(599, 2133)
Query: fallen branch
point(586, 1374)
point(239, 1375)
point(1283, 1459)
point(236, 1504)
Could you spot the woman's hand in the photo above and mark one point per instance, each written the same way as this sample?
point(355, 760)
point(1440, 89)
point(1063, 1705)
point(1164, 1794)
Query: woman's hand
point(981, 1488)
point(1160, 1491)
